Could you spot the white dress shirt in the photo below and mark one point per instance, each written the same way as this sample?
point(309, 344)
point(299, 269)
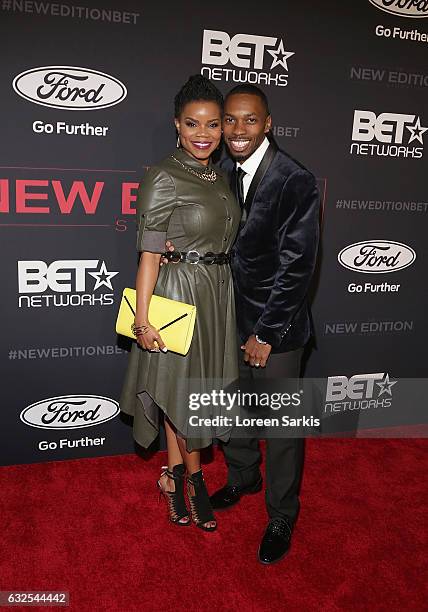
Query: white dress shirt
point(251, 165)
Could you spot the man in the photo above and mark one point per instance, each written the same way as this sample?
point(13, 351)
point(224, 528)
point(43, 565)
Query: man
point(273, 262)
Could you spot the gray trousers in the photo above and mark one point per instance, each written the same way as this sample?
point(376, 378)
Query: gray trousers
point(284, 456)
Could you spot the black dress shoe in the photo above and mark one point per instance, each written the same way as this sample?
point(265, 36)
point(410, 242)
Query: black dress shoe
point(276, 541)
point(231, 494)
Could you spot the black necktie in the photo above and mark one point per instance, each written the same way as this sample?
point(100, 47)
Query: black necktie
point(240, 186)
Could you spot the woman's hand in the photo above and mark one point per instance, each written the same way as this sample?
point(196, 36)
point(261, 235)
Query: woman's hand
point(147, 336)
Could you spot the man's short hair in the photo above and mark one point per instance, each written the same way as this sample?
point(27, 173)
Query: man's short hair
point(253, 90)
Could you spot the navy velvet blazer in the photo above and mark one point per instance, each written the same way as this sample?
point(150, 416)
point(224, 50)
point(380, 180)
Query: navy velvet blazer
point(275, 251)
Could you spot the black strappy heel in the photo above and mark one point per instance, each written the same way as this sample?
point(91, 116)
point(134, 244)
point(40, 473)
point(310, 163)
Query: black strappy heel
point(200, 505)
point(177, 508)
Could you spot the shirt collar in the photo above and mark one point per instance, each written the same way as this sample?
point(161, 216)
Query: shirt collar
point(251, 164)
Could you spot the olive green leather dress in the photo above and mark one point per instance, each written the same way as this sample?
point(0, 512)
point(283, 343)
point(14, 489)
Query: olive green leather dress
point(195, 214)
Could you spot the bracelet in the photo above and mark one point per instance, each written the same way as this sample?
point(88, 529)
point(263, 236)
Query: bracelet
point(260, 341)
point(139, 330)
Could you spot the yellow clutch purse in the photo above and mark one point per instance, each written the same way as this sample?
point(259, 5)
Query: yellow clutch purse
point(175, 320)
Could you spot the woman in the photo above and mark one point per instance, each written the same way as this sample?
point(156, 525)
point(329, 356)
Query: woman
point(184, 200)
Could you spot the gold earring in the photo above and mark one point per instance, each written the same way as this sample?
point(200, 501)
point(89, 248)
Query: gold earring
point(178, 141)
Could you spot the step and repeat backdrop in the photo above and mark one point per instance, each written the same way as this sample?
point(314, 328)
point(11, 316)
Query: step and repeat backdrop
point(87, 105)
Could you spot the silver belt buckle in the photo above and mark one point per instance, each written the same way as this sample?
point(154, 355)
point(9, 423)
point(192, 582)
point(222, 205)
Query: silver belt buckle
point(197, 257)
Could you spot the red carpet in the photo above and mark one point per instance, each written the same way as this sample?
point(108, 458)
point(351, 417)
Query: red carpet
point(93, 527)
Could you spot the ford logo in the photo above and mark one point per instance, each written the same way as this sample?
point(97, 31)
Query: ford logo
point(69, 88)
point(404, 8)
point(376, 256)
point(70, 412)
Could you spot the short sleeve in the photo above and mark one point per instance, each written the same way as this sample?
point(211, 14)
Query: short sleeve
point(155, 204)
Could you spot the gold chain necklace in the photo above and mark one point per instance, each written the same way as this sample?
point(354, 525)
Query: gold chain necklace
point(205, 176)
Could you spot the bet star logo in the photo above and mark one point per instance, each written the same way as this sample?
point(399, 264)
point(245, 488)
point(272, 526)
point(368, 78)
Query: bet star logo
point(276, 53)
point(243, 50)
point(103, 277)
point(385, 385)
point(416, 131)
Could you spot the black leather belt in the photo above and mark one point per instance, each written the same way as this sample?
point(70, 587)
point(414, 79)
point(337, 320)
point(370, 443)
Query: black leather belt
point(194, 257)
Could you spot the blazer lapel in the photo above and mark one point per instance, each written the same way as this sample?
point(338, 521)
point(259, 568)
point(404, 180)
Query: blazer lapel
point(261, 171)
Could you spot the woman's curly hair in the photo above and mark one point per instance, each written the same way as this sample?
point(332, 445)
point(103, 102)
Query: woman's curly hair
point(197, 87)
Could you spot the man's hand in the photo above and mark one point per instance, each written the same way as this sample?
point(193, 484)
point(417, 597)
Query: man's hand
point(168, 247)
point(256, 354)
